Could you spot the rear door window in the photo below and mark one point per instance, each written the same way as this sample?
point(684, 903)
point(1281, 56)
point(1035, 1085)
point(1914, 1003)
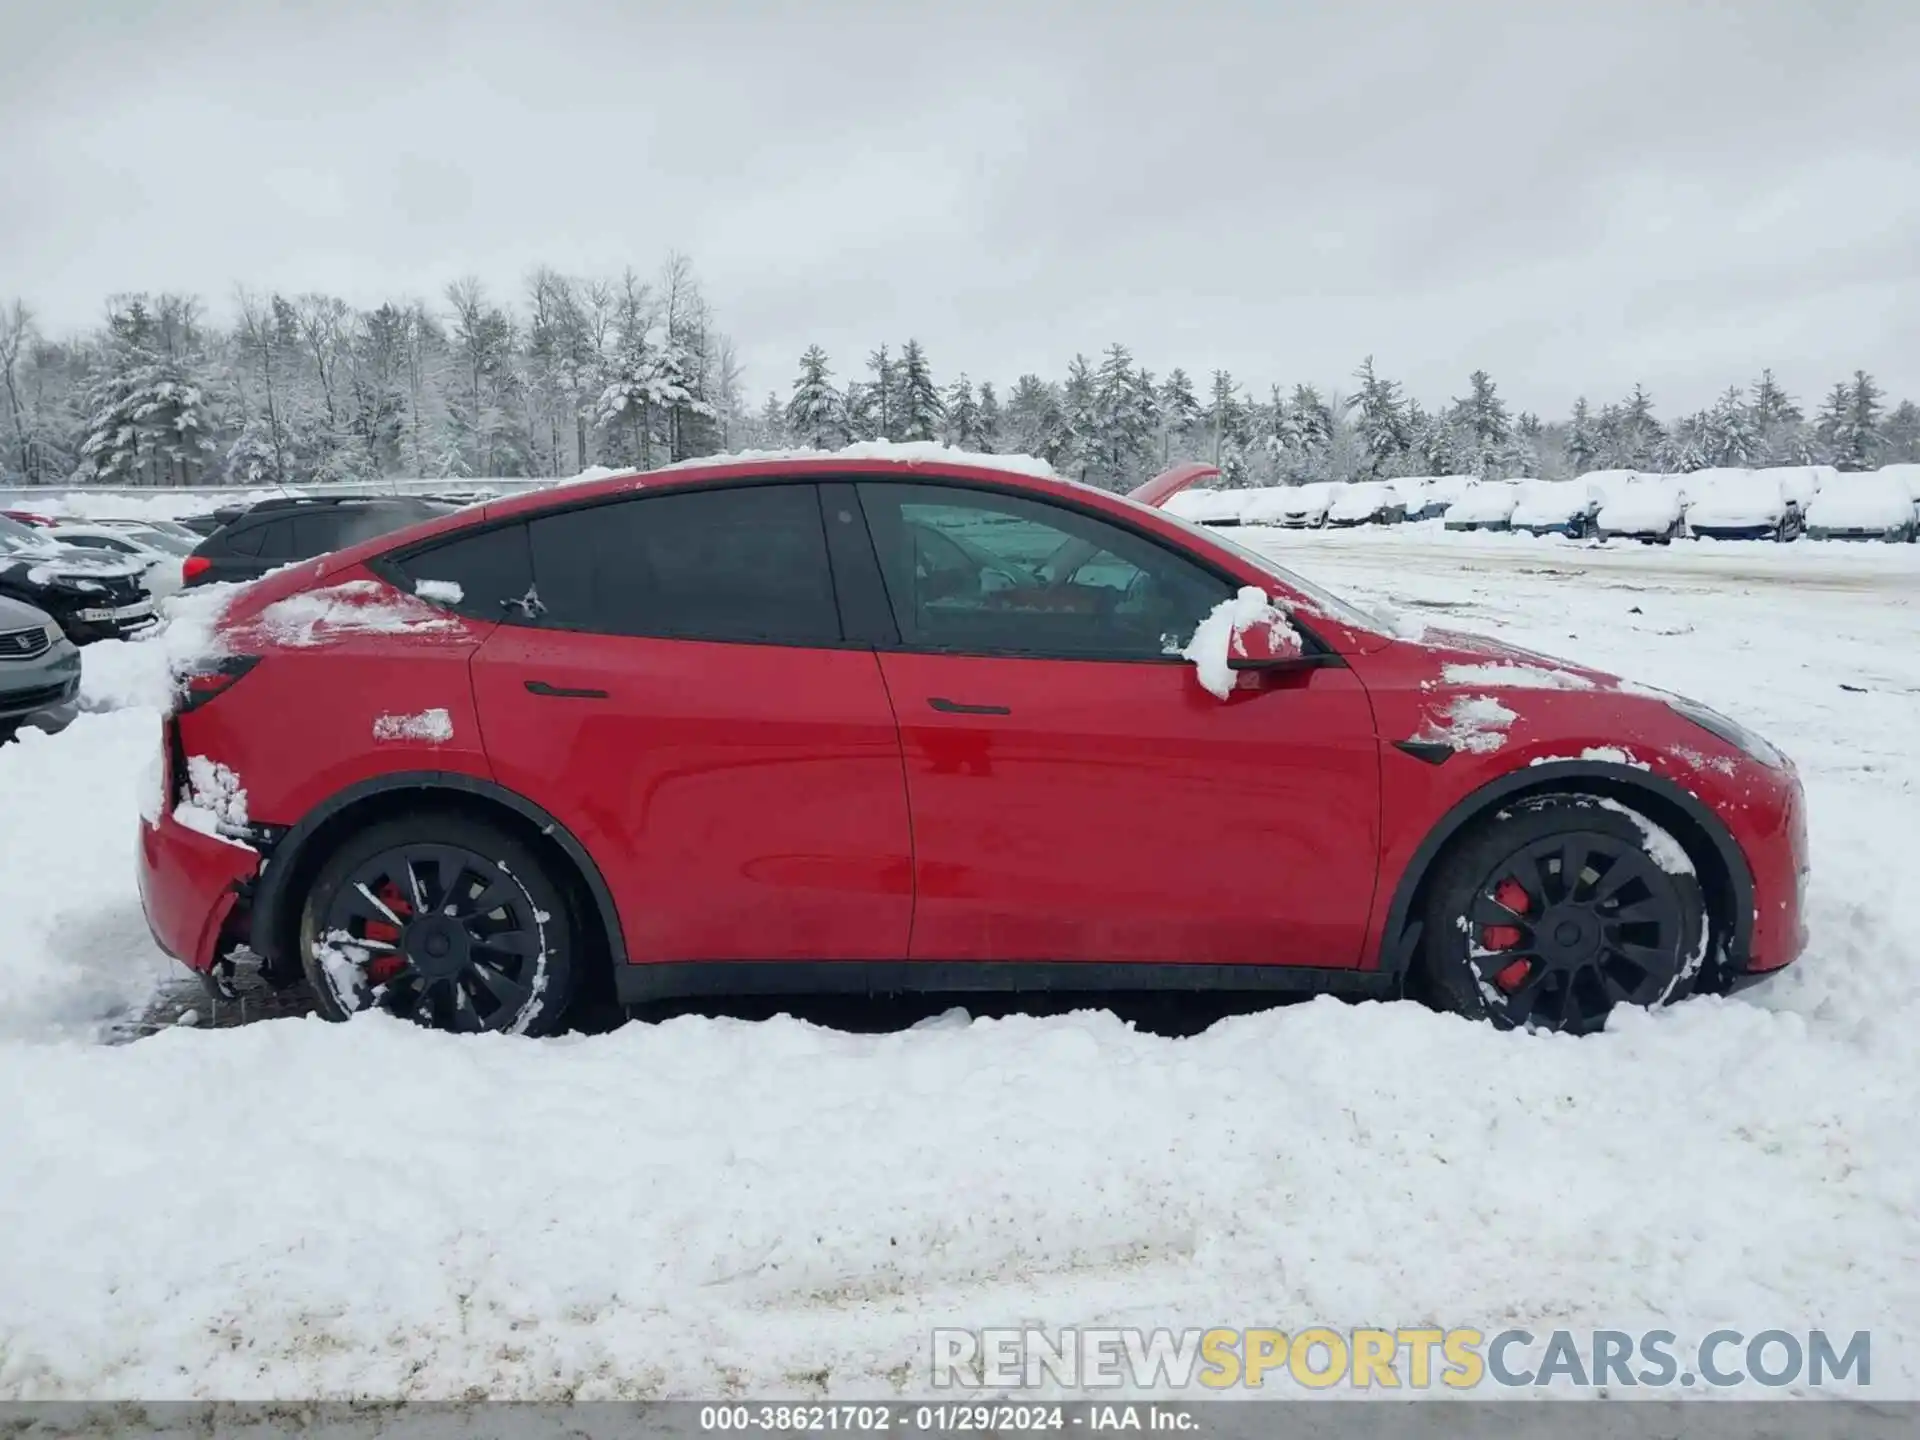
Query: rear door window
point(747, 563)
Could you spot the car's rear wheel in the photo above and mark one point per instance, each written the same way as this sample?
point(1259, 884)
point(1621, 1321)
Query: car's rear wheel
point(1559, 908)
point(442, 920)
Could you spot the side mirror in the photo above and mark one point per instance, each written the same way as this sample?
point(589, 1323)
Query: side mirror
point(1266, 644)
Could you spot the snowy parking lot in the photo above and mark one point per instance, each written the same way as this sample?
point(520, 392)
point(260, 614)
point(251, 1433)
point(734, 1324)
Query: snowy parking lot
point(717, 1206)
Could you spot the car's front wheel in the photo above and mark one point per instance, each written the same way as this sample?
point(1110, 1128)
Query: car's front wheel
point(439, 919)
point(1557, 909)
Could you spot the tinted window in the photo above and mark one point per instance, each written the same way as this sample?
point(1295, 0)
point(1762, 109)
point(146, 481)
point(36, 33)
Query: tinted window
point(981, 572)
point(252, 540)
point(748, 563)
point(491, 568)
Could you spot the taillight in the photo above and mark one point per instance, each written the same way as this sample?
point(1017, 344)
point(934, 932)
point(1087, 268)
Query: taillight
point(212, 679)
point(193, 567)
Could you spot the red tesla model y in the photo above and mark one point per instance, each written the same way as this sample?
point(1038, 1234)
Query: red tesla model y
point(929, 724)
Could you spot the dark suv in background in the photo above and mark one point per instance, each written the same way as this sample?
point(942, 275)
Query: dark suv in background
point(279, 532)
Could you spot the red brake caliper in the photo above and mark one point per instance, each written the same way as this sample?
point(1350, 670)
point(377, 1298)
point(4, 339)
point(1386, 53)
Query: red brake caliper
point(384, 966)
point(1513, 895)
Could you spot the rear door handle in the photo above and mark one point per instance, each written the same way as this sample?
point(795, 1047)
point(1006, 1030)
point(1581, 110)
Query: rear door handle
point(954, 707)
point(561, 692)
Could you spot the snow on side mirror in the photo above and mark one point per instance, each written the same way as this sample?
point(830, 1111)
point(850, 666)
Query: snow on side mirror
point(1250, 631)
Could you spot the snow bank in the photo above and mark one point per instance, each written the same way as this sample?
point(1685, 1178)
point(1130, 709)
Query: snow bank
point(76, 948)
point(1870, 502)
point(1219, 638)
point(121, 674)
point(1650, 505)
point(1487, 502)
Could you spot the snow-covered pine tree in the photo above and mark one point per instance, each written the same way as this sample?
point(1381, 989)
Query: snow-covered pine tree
point(990, 418)
point(1900, 435)
point(1179, 413)
point(149, 421)
point(921, 410)
point(962, 426)
point(1380, 419)
point(815, 416)
point(1118, 441)
point(872, 405)
point(1035, 421)
point(1080, 425)
point(1582, 446)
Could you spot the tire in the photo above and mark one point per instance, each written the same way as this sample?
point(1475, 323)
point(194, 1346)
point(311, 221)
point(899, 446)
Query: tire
point(1505, 941)
point(392, 922)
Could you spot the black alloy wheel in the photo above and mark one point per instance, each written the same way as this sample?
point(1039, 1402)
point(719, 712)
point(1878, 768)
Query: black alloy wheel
point(1559, 910)
point(443, 921)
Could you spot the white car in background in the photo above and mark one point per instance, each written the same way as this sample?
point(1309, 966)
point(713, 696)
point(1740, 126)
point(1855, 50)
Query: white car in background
point(1484, 505)
point(1652, 508)
point(1554, 507)
point(1872, 505)
point(1729, 503)
point(158, 551)
point(1427, 496)
point(1366, 502)
point(1908, 477)
point(1296, 507)
point(1208, 507)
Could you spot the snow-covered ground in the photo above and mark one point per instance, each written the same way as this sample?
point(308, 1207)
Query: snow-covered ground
point(708, 1206)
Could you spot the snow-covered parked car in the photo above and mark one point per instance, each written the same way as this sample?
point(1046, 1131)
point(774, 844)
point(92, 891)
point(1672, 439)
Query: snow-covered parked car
point(1208, 507)
point(159, 552)
point(1427, 496)
point(1652, 508)
point(1554, 507)
point(1297, 507)
point(1484, 505)
point(1730, 503)
point(1366, 502)
point(1869, 506)
point(1907, 475)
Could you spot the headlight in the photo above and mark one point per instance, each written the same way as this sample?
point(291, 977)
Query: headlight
point(1731, 731)
point(54, 633)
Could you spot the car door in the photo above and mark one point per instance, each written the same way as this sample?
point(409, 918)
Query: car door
point(672, 684)
point(1075, 794)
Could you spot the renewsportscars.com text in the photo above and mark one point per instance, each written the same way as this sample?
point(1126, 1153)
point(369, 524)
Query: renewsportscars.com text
point(1409, 1358)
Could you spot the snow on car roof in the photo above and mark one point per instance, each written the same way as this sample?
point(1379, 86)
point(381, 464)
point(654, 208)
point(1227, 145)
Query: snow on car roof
point(904, 452)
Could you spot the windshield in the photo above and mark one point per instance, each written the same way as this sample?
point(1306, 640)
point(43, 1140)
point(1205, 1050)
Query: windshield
point(163, 540)
point(15, 536)
point(1329, 604)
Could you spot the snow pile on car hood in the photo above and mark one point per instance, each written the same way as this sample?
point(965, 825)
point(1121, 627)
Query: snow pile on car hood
point(1484, 503)
point(1730, 498)
point(1649, 505)
point(1550, 502)
point(1871, 502)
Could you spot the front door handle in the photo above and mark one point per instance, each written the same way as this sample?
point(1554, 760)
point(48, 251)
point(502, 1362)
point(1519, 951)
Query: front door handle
point(954, 707)
point(561, 692)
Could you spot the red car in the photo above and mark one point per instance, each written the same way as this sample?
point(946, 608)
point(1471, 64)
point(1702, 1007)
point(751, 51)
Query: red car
point(832, 724)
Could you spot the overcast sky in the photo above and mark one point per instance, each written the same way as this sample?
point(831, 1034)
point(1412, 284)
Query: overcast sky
point(1572, 196)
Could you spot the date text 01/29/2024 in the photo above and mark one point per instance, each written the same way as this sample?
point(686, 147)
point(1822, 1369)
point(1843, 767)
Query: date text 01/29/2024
point(959, 1418)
